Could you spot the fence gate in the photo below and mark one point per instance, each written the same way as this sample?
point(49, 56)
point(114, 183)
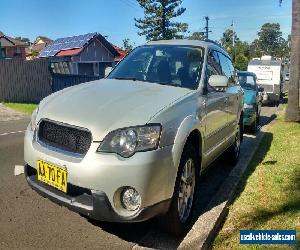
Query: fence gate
point(61, 81)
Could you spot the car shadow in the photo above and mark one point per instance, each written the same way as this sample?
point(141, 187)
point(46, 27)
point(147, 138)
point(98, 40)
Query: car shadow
point(148, 234)
point(265, 120)
point(131, 232)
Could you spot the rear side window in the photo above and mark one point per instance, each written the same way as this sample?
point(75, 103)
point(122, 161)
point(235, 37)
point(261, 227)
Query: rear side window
point(213, 67)
point(213, 64)
point(227, 68)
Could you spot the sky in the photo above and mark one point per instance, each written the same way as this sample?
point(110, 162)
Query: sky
point(115, 18)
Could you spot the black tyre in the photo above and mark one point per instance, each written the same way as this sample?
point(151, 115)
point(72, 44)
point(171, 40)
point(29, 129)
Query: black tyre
point(234, 150)
point(178, 218)
point(253, 126)
point(258, 119)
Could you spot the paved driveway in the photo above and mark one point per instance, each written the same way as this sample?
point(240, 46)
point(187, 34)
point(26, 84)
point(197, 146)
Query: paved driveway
point(29, 221)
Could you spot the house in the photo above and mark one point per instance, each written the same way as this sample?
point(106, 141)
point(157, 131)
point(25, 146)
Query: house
point(12, 48)
point(40, 43)
point(122, 53)
point(87, 54)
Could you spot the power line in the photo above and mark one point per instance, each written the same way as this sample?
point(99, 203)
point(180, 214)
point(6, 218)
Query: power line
point(129, 4)
point(134, 3)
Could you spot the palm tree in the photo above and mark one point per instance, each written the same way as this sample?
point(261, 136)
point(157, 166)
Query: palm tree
point(293, 111)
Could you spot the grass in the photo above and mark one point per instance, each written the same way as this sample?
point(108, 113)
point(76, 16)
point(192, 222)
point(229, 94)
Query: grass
point(26, 108)
point(269, 196)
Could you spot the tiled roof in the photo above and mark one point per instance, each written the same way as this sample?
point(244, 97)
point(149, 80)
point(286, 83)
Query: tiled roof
point(69, 52)
point(122, 53)
point(13, 40)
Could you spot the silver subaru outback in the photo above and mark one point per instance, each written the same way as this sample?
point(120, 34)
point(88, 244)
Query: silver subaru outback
point(133, 145)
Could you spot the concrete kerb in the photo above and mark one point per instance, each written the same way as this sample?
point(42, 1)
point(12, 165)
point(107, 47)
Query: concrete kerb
point(208, 224)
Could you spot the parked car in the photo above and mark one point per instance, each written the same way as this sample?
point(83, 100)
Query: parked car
point(252, 99)
point(132, 146)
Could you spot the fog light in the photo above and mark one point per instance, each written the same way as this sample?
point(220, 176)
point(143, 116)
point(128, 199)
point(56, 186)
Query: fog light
point(130, 198)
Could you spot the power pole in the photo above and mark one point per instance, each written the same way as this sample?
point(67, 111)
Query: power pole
point(206, 27)
point(233, 40)
point(233, 35)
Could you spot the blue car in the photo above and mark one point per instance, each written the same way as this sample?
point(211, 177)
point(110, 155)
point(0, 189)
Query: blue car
point(252, 100)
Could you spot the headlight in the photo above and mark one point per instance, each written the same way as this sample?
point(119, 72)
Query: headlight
point(33, 123)
point(128, 141)
point(248, 106)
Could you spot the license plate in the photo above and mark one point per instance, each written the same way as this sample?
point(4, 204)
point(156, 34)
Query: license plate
point(53, 176)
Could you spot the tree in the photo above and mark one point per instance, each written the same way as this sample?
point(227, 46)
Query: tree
point(283, 50)
point(127, 45)
point(237, 49)
point(34, 53)
point(229, 44)
point(227, 38)
point(293, 111)
point(157, 22)
point(269, 38)
point(255, 49)
point(197, 36)
point(241, 62)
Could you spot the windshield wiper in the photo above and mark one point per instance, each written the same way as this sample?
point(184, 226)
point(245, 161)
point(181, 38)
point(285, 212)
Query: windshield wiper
point(125, 78)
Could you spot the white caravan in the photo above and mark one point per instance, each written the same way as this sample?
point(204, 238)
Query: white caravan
point(269, 77)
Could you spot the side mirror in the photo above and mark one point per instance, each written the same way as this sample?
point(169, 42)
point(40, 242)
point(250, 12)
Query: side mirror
point(218, 81)
point(107, 71)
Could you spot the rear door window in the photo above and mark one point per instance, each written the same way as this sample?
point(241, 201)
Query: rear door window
point(213, 64)
point(213, 67)
point(227, 68)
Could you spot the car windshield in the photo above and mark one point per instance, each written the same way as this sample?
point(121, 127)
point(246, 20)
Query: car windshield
point(163, 64)
point(247, 82)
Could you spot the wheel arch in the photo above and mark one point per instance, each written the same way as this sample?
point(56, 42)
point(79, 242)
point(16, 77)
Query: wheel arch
point(195, 138)
point(188, 132)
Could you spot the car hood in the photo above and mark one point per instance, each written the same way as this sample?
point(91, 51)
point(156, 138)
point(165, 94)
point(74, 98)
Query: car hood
point(108, 104)
point(249, 96)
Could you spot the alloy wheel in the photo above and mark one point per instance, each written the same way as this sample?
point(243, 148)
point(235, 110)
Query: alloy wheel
point(186, 190)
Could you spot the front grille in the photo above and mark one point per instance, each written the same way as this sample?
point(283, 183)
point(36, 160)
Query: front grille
point(65, 137)
point(267, 87)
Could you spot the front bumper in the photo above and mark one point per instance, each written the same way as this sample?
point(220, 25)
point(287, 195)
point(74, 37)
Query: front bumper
point(93, 204)
point(103, 176)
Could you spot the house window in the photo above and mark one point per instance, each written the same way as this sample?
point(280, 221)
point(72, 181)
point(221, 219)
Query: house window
point(2, 53)
point(18, 50)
